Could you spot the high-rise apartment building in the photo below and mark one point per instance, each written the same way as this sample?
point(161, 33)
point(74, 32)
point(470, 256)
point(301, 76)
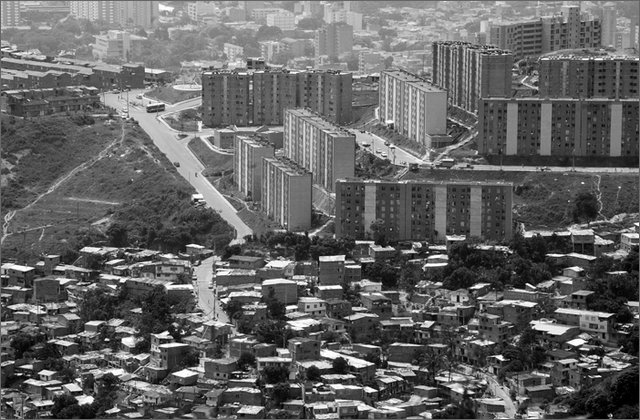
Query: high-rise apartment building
point(609, 21)
point(247, 164)
point(558, 127)
point(273, 92)
point(225, 98)
point(319, 146)
point(569, 30)
point(334, 39)
point(10, 13)
point(286, 193)
point(469, 72)
point(614, 77)
point(326, 92)
point(197, 10)
point(416, 108)
point(423, 210)
point(283, 19)
point(125, 13)
point(260, 97)
point(116, 45)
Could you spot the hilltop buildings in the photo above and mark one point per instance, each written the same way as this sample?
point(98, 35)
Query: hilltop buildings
point(24, 71)
point(569, 30)
point(244, 97)
point(124, 13)
point(470, 72)
point(418, 210)
point(334, 39)
point(593, 76)
point(10, 13)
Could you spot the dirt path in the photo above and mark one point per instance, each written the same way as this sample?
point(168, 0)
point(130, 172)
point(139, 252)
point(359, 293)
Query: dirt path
point(10, 215)
point(89, 200)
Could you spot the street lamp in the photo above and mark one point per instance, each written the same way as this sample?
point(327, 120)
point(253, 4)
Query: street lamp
point(128, 88)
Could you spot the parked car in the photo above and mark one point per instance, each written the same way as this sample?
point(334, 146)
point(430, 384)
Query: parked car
point(176, 164)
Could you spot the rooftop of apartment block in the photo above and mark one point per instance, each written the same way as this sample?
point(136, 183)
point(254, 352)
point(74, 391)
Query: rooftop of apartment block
point(418, 182)
point(413, 79)
point(561, 100)
point(288, 166)
point(255, 141)
point(588, 55)
point(486, 49)
point(320, 122)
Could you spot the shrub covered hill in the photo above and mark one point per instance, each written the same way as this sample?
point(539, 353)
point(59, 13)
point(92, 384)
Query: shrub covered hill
point(74, 181)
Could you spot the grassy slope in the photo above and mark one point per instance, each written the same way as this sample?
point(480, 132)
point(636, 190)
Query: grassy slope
point(543, 200)
point(134, 170)
point(214, 162)
point(43, 150)
point(169, 95)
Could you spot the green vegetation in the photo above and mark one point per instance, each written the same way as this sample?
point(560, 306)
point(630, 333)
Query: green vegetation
point(131, 196)
point(170, 95)
point(215, 163)
point(370, 166)
point(616, 395)
point(37, 151)
point(67, 34)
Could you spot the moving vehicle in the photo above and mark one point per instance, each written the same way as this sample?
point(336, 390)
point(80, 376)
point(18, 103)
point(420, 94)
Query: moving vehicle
point(447, 163)
point(155, 107)
point(384, 155)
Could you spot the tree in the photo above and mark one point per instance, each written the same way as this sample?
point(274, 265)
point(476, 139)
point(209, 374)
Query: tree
point(281, 393)
point(388, 62)
point(275, 374)
point(340, 365)
point(117, 235)
point(21, 343)
point(461, 278)
point(585, 207)
point(246, 360)
point(410, 275)
point(313, 373)
point(310, 23)
point(274, 332)
point(268, 33)
point(190, 359)
point(378, 227)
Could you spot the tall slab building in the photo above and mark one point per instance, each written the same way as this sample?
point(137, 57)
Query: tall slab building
point(423, 210)
point(469, 72)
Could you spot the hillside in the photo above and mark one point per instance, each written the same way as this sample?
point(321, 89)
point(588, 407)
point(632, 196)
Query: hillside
point(108, 184)
point(544, 200)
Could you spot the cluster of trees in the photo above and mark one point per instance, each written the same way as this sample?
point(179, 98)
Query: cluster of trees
point(67, 407)
point(167, 221)
point(527, 264)
point(69, 34)
point(616, 396)
point(300, 247)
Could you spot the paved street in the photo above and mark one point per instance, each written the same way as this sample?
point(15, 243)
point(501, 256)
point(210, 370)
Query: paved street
point(206, 299)
point(177, 151)
point(377, 144)
point(501, 392)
